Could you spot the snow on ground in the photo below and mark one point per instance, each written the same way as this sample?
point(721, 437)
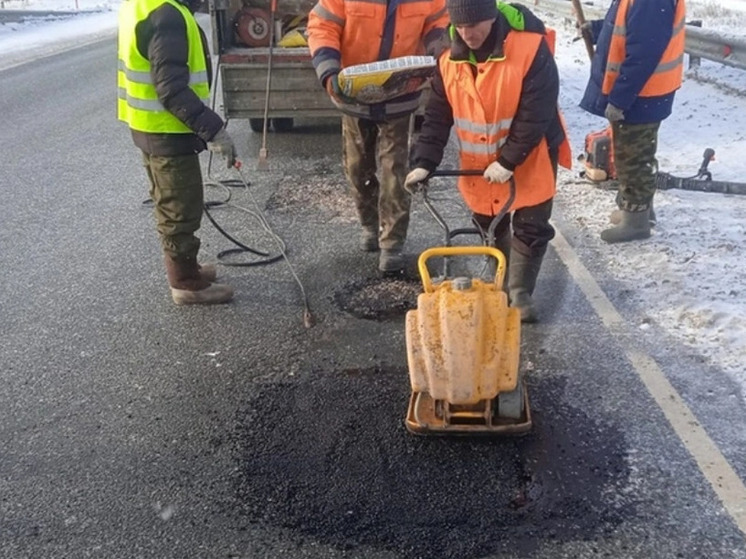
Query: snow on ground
point(46, 35)
point(690, 274)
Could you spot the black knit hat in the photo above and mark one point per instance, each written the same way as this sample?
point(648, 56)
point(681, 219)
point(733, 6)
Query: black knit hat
point(467, 12)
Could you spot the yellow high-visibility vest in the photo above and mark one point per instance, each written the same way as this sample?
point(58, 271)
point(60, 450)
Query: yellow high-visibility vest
point(138, 103)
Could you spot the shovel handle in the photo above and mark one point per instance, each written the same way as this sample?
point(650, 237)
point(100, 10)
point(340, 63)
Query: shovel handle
point(580, 17)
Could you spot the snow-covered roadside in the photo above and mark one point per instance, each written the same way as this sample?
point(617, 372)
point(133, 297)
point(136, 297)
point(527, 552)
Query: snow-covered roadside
point(21, 41)
point(690, 274)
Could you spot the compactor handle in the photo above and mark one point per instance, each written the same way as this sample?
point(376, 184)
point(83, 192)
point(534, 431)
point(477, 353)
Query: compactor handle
point(427, 283)
point(456, 173)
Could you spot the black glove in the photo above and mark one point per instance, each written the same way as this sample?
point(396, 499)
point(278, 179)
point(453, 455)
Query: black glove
point(333, 89)
point(613, 114)
point(222, 144)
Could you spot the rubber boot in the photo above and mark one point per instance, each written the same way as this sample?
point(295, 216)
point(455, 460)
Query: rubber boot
point(616, 216)
point(391, 261)
point(369, 239)
point(633, 226)
point(188, 287)
point(521, 283)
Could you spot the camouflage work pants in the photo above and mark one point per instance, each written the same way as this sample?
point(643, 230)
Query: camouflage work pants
point(635, 146)
point(381, 205)
point(178, 197)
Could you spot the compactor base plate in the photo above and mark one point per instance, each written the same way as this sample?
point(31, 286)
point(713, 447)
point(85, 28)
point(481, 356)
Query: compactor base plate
point(426, 416)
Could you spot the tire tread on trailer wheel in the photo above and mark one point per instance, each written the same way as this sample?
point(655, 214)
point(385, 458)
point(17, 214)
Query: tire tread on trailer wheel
point(282, 124)
point(256, 125)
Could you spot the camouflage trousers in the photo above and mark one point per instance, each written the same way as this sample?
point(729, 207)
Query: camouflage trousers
point(178, 198)
point(635, 146)
point(382, 205)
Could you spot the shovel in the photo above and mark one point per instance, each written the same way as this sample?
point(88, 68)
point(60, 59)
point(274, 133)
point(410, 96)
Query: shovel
point(262, 164)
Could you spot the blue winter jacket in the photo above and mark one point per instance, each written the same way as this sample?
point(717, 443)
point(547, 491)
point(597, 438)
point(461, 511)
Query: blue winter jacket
point(649, 29)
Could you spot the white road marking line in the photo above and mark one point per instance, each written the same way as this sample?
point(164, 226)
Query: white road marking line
point(725, 482)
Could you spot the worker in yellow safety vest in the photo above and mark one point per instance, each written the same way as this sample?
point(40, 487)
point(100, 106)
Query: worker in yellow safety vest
point(163, 82)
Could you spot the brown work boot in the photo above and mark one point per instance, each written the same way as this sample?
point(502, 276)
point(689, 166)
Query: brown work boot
point(188, 287)
point(369, 240)
point(208, 272)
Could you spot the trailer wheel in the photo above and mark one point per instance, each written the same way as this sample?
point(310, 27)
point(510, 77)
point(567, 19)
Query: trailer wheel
point(282, 124)
point(256, 125)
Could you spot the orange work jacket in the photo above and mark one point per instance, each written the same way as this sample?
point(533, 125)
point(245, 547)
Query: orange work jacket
point(354, 28)
point(668, 74)
point(483, 109)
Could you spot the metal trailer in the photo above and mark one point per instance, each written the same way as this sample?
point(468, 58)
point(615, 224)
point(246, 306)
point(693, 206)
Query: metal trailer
point(294, 90)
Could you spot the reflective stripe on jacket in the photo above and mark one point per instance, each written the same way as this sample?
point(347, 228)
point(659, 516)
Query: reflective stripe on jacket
point(667, 76)
point(483, 110)
point(138, 104)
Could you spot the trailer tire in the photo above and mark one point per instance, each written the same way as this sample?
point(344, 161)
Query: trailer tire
point(256, 125)
point(282, 124)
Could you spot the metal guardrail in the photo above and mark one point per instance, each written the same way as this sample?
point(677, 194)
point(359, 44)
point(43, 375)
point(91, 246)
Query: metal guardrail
point(700, 43)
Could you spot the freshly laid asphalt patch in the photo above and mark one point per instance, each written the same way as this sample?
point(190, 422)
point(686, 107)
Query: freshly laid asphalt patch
point(367, 481)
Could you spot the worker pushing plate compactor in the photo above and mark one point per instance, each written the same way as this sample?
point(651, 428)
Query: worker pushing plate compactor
point(463, 340)
point(463, 345)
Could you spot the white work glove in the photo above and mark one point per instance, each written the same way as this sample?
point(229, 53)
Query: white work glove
point(415, 178)
point(613, 114)
point(497, 173)
point(223, 145)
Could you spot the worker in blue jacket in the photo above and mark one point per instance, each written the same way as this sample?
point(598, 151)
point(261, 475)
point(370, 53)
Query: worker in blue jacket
point(635, 72)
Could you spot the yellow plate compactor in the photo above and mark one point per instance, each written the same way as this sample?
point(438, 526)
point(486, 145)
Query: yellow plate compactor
point(463, 346)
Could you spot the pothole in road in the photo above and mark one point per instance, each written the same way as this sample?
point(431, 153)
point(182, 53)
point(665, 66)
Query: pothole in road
point(328, 456)
point(379, 298)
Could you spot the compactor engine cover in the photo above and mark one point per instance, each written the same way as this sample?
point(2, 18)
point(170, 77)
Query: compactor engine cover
point(463, 352)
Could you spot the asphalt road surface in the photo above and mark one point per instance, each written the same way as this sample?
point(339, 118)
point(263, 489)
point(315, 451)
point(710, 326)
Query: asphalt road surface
point(130, 427)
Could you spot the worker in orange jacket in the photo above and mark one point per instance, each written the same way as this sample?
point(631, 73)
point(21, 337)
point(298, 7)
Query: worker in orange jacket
point(498, 86)
point(344, 33)
point(635, 73)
